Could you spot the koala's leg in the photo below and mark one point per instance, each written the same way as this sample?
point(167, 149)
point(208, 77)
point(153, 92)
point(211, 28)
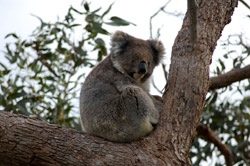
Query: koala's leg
point(158, 102)
point(140, 106)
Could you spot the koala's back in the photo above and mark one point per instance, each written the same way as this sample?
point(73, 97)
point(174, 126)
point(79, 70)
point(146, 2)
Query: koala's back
point(100, 86)
point(102, 111)
point(97, 86)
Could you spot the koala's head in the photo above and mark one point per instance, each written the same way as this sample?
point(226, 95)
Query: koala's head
point(135, 57)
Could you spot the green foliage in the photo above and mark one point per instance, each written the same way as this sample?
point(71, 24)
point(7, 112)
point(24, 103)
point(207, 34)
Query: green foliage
point(227, 111)
point(39, 76)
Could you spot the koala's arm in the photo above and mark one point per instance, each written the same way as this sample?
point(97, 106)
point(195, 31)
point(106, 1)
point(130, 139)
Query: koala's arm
point(158, 102)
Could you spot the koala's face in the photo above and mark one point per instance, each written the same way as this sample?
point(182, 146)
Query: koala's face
point(136, 60)
point(135, 57)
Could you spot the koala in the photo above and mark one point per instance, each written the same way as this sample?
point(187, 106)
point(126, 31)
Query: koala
point(115, 103)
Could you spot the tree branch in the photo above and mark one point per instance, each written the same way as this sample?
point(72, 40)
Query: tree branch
point(230, 77)
point(156, 88)
point(45, 63)
point(211, 137)
point(30, 141)
point(244, 3)
point(164, 71)
point(192, 15)
point(156, 13)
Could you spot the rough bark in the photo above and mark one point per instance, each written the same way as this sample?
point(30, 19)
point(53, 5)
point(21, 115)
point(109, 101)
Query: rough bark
point(28, 141)
point(188, 80)
point(192, 15)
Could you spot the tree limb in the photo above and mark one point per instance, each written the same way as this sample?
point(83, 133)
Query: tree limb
point(230, 77)
point(211, 137)
point(30, 141)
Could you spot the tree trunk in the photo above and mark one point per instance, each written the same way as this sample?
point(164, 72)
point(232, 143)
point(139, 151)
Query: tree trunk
point(29, 141)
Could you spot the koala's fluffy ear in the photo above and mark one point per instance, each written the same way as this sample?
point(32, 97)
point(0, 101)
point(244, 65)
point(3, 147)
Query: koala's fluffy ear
point(158, 50)
point(119, 41)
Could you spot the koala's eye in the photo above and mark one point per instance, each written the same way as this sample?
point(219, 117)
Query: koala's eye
point(148, 63)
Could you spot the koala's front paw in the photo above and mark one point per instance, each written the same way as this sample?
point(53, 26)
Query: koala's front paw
point(132, 91)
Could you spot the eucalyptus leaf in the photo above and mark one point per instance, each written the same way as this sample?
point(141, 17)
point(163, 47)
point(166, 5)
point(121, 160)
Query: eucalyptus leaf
point(117, 21)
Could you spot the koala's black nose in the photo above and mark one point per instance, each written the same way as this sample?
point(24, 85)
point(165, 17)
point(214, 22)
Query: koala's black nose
point(142, 67)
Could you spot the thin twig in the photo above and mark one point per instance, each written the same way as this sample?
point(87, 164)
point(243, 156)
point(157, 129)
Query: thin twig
point(151, 18)
point(244, 3)
point(157, 89)
point(44, 62)
point(164, 71)
point(175, 14)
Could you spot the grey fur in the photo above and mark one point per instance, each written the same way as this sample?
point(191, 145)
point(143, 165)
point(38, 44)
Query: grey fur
point(114, 100)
